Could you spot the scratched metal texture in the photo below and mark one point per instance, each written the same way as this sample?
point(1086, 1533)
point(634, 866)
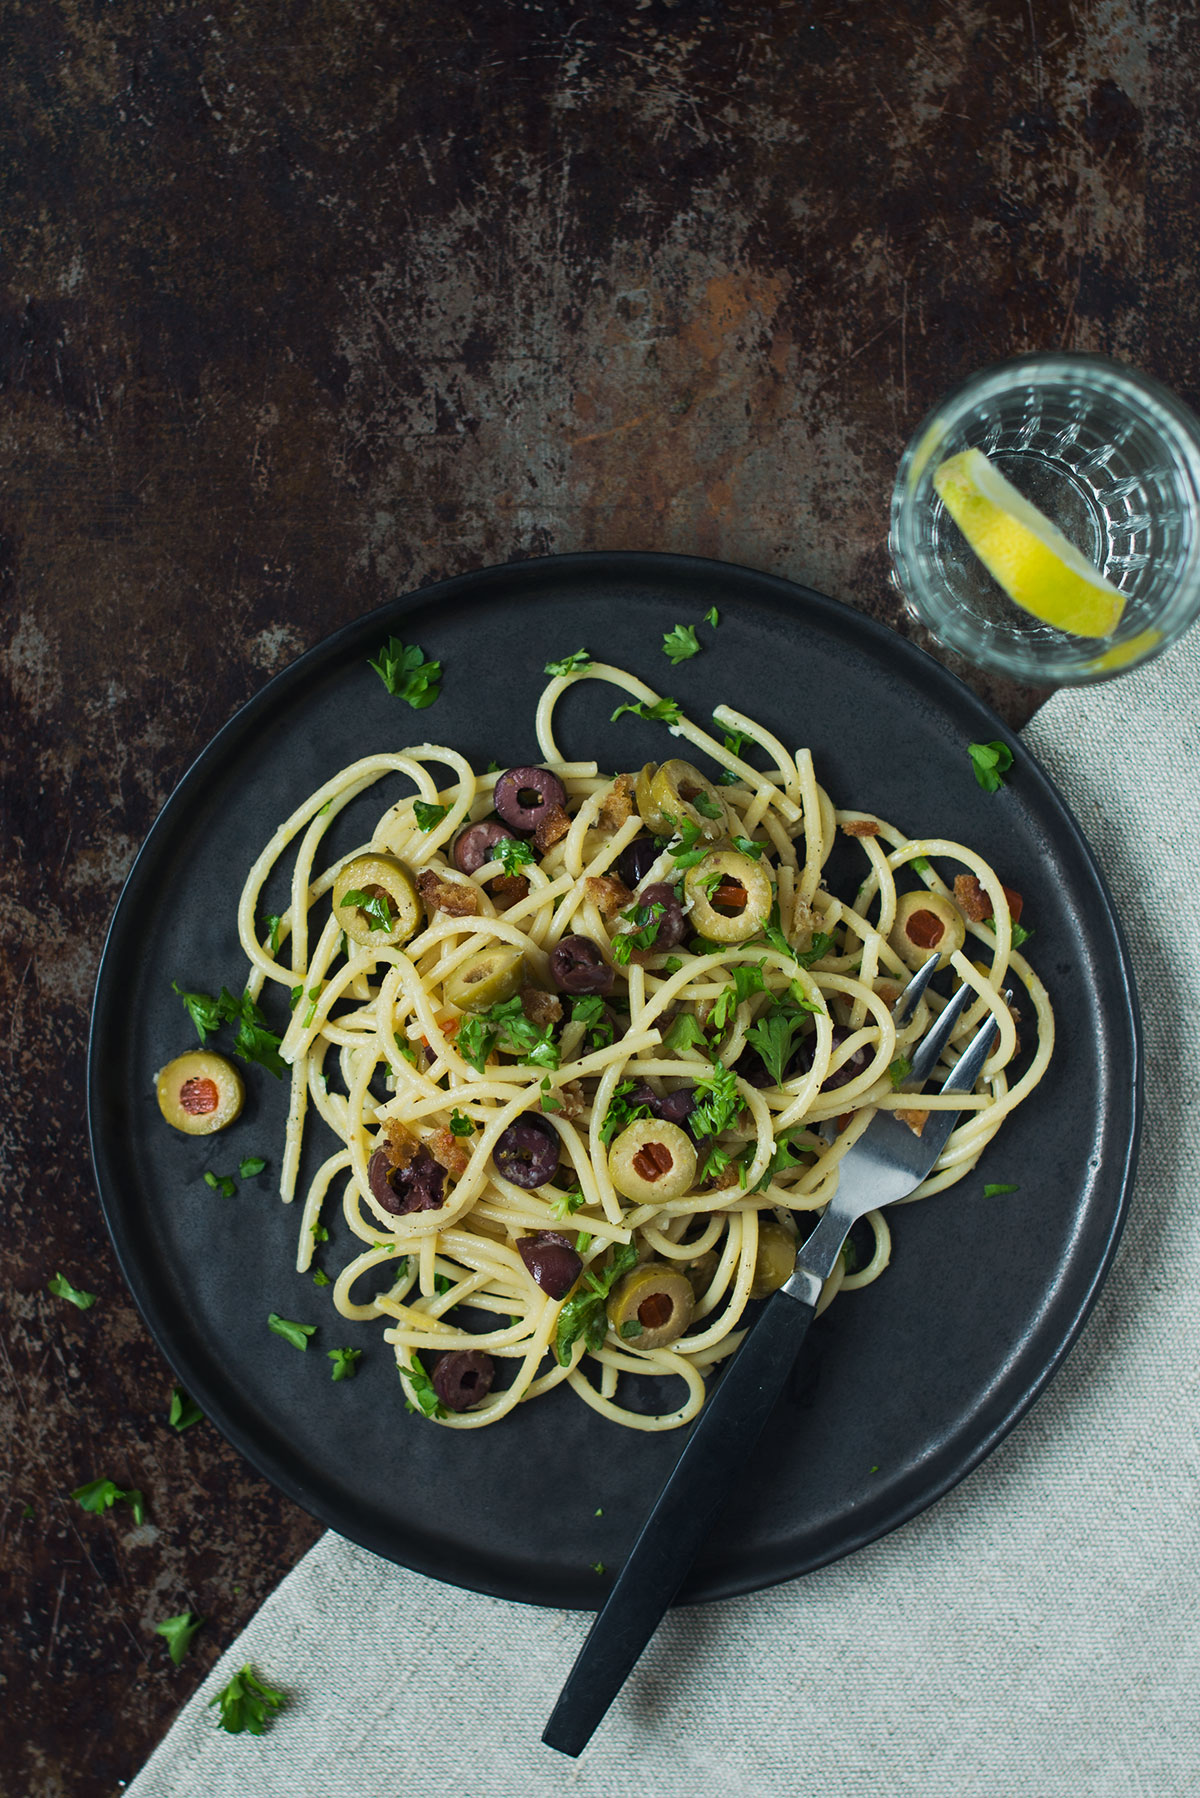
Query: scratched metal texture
point(303, 305)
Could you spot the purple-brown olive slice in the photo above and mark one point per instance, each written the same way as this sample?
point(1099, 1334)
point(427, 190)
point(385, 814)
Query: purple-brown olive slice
point(527, 1153)
point(418, 1186)
point(463, 1377)
point(523, 796)
point(476, 845)
point(553, 1261)
point(577, 966)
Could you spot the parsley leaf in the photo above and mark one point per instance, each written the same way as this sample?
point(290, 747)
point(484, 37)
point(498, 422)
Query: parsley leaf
point(345, 1362)
point(707, 806)
point(567, 1203)
point(375, 905)
point(775, 1032)
point(225, 1184)
point(273, 923)
point(1019, 933)
point(991, 762)
point(820, 945)
point(100, 1495)
point(784, 1157)
point(428, 1401)
point(204, 1011)
point(255, 1040)
point(296, 1334)
point(505, 1025)
point(996, 1187)
point(62, 1288)
point(663, 711)
point(749, 847)
point(718, 1102)
point(246, 1704)
point(645, 920)
point(899, 1071)
point(428, 816)
point(747, 979)
point(184, 1411)
point(919, 864)
point(460, 1124)
point(513, 853)
point(179, 1632)
point(251, 1165)
point(570, 664)
point(713, 617)
point(620, 1112)
point(687, 855)
point(407, 675)
point(584, 1314)
point(680, 644)
point(685, 1033)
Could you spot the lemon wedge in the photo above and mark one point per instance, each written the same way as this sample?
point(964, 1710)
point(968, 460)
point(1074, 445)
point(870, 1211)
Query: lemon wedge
point(1039, 568)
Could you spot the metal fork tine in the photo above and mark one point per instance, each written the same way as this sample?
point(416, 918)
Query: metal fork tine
point(914, 992)
point(928, 1051)
point(969, 1065)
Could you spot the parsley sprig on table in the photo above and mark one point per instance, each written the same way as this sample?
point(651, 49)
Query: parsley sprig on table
point(407, 675)
point(178, 1632)
point(246, 1704)
point(62, 1288)
point(101, 1495)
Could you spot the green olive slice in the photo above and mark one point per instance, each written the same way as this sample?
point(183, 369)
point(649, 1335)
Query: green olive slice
point(652, 1159)
point(486, 978)
point(199, 1093)
point(925, 923)
point(775, 1262)
point(652, 1306)
point(375, 901)
point(731, 896)
point(680, 794)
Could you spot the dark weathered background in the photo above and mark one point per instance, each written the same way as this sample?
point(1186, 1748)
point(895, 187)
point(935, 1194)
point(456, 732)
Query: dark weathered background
point(306, 304)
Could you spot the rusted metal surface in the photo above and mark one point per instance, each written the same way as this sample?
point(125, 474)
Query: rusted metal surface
point(304, 306)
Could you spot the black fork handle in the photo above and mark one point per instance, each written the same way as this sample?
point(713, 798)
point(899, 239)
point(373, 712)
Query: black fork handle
point(704, 1475)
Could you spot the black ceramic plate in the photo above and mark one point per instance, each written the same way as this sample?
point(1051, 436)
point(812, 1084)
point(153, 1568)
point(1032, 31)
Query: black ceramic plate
point(902, 1388)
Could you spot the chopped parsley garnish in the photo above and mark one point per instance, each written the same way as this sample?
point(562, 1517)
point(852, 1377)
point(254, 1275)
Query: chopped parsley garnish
point(407, 675)
point(1018, 931)
point(718, 1102)
point(320, 1277)
point(680, 644)
point(630, 1328)
point(706, 805)
point(919, 864)
point(685, 1033)
point(548, 1101)
point(428, 816)
point(776, 1031)
point(713, 617)
point(784, 1157)
point(991, 762)
point(375, 905)
point(246, 1704)
point(320, 1233)
point(184, 1411)
point(687, 855)
point(513, 853)
point(820, 945)
point(296, 1334)
point(899, 1071)
point(996, 1187)
point(460, 1124)
point(620, 1112)
point(428, 1401)
point(62, 1288)
point(345, 1362)
point(583, 1314)
point(273, 924)
point(407, 1049)
point(251, 1165)
point(645, 920)
point(570, 664)
point(255, 1040)
point(178, 1632)
point(567, 1203)
point(225, 1184)
point(748, 846)
point(505, 1025)
point(101, 1495)
point(747, 979)
point(672, 965)
point(663, 711)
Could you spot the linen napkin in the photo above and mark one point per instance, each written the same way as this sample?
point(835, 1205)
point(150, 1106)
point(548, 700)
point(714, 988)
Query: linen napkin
point(1037, 1631)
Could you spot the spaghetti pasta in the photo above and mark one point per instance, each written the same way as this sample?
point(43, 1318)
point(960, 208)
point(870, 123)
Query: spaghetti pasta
point(589, 1095)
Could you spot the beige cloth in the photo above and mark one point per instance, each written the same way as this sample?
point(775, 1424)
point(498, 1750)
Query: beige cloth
point(1036, 1632)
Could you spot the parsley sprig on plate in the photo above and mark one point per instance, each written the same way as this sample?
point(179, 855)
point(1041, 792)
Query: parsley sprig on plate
point(407, 675)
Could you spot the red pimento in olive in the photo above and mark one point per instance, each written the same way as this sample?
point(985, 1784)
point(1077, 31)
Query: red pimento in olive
point(199, 1093)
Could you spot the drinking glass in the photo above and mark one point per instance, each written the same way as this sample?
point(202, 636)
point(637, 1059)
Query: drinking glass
point(1112, 458)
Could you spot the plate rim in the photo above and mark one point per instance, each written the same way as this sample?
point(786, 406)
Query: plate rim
point(831, 617)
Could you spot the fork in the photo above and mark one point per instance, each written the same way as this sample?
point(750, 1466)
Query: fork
point(886, 1163)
